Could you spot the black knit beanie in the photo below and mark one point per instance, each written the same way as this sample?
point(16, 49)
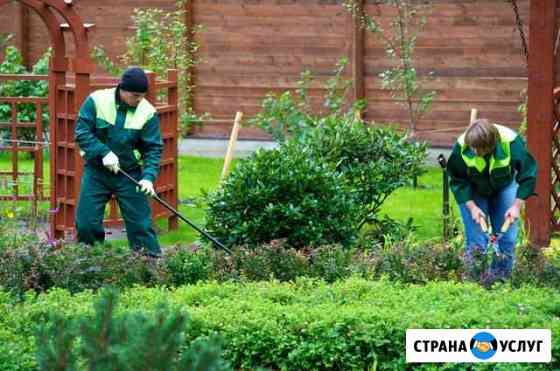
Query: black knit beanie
point(134, 80)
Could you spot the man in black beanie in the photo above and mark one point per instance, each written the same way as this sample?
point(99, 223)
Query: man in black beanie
point(118, 129)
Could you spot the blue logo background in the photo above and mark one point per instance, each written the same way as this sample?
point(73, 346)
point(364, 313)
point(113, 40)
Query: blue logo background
point(486, 339)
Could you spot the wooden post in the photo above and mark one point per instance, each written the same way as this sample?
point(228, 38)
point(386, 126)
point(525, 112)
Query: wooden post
point(151, 95)
point(542, 24)
point(189, 23)
point(231, 144)
point(474, 115)
point(172, 100)
point(22, 34)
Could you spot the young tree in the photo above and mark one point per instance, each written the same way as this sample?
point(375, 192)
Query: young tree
point(161, 41)
point(399, 42)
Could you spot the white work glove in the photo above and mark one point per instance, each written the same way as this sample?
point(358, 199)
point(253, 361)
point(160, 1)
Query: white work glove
point(111, 162)
point(147, 187)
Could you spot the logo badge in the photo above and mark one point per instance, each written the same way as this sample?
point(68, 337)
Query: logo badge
point(483, 345)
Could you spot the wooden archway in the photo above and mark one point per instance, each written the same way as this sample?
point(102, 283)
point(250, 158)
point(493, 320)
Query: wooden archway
point(70, 82)
point(64, 103)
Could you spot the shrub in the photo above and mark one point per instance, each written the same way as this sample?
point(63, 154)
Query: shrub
point(188, 265)
point(36, 266)
point(274, 260)
point(374, 160)
point(291, 115)
point(282, 193)
point(536, 266)
point(135, 341)
point(331, 262)
point(410, 262)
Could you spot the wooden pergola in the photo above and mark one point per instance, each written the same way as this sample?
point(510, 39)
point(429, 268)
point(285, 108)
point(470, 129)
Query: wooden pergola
point(543, 210)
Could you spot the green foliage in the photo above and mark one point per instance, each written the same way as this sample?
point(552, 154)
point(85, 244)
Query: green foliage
point(282, 193)
point(13, 64)
point(399, 41)
point(188, 265)
point(308, 324)
point(368, 163)
point(135, 341)
point(522, 109)
point(161, 41)
point(290, 115)
point(5, 39)
point(373, 160)
point(37, 266)
point(274, 260)
point(409, 262)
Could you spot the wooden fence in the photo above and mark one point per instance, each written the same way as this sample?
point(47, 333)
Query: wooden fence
point(253, 47)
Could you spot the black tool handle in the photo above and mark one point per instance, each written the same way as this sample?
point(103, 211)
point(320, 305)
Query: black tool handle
point(170, 208)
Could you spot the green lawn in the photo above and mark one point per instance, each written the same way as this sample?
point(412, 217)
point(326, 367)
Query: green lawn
point(423, 204)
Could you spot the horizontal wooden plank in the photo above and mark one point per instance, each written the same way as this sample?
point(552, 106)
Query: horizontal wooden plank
point(318, 8)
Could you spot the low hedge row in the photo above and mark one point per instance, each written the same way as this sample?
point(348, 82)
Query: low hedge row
point(354, 324)
point(77, 268)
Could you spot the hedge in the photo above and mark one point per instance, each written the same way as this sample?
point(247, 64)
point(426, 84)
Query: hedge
point(307, 325)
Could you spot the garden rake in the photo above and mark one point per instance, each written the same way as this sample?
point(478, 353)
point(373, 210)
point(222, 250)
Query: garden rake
point(165, 204)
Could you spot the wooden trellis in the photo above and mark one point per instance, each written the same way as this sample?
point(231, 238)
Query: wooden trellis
point(13, 142)
point(70, 83)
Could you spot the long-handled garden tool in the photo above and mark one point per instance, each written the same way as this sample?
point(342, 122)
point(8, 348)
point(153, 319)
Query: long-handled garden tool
point(164, 203)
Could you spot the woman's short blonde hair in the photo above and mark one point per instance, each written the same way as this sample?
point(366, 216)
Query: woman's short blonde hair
point(482, 136)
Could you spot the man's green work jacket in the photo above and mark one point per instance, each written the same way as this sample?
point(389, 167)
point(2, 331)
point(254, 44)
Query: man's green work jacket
point(485, 176)
point(106, 123)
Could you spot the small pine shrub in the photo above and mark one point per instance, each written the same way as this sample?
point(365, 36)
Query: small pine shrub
point(134, 341)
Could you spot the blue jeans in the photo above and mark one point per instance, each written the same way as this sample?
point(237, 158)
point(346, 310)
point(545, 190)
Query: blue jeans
point(476, 241)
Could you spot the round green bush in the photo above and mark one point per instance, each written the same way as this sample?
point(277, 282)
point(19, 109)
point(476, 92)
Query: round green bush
point(282, 193)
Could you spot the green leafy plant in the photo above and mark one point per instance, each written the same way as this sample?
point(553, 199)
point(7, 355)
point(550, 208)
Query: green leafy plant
point(5, 39)
point(188, 265)
point(34, 265)
point(410, 262)
point(135, 341)
point(274, 260)
point(290, 114)
point(161, 41)
point(373, 160)
point(282, 193)
point(399, 41)
point(26, 112)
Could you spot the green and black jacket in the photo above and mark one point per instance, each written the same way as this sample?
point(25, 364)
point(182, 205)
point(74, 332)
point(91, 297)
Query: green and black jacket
point(484, 176)
point(105, 124)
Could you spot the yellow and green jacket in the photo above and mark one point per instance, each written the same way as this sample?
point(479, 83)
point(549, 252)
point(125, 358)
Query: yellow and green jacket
point(471, 174)
point(105, 124)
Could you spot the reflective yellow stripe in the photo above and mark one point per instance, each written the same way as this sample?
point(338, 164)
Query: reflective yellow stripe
point(477, 162)
point(506, 137)
point(143, 113)
point(106, 110)
point(105, 106)
point(495, 163)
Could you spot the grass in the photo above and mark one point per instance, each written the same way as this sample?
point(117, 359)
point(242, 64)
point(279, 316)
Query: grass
point(198, 175)
point(423, 204)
